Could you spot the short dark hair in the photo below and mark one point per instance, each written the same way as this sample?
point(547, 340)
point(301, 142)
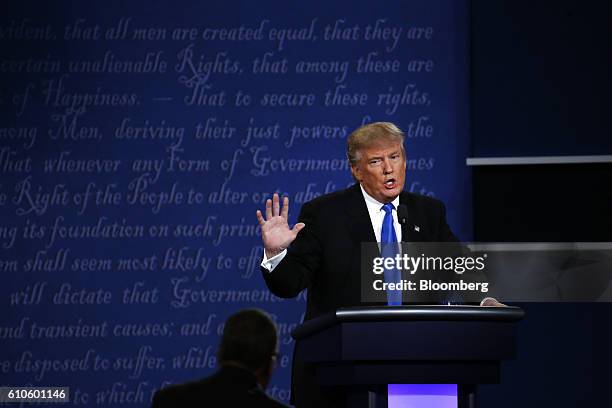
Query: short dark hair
point(249, 338)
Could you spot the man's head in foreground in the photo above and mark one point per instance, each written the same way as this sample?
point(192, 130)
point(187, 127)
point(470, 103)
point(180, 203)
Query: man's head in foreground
point(250, 341)
point(378, 160)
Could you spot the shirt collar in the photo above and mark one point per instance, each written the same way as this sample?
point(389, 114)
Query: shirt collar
point(375, 205)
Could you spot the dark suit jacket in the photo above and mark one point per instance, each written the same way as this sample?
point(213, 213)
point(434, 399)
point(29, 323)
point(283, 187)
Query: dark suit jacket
point(326, 255)
point(228, 388)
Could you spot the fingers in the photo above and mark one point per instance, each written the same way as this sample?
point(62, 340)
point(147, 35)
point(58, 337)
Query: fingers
point(285, 210)
point(268, 209)
point(297, 228)
point(273, 209)
point(275, 205)
point(260, 218)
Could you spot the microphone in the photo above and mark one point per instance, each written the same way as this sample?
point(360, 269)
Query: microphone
point(402, 214)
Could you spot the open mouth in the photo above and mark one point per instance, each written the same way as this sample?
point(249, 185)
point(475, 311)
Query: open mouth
point(390, 183)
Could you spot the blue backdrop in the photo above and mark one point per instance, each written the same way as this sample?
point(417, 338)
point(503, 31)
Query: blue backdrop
point(138, 140)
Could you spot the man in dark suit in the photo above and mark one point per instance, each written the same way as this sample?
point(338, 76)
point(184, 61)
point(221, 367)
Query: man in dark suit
point(322, 251)
point(246, 355)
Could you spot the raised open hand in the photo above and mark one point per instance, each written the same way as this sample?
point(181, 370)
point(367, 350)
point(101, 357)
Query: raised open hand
point(275, 232)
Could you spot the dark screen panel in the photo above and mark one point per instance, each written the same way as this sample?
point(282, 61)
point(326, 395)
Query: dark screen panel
point(540, 78)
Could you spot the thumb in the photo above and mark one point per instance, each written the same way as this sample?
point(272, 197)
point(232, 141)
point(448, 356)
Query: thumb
point(298, 227)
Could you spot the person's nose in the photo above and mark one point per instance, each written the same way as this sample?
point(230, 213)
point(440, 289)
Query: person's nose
point(387, 167)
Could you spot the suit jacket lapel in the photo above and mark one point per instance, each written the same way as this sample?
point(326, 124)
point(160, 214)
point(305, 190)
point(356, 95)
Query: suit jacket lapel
point(410, 231)
point(361, 230)
point(361, 226)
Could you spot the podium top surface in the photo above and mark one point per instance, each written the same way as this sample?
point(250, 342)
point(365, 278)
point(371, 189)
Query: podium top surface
point(408, 313)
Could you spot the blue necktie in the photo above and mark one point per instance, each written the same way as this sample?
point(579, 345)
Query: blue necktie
point(389, 249)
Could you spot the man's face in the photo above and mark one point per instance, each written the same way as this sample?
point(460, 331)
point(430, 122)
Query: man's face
point(381, 170)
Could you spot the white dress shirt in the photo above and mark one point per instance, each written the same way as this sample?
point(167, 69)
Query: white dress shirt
point(377, 215)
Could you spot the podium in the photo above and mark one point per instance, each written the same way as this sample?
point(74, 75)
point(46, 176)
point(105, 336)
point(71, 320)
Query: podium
point(363, 349)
